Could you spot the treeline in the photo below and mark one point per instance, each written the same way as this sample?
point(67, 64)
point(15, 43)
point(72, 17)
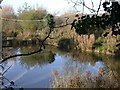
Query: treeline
point(28, 21)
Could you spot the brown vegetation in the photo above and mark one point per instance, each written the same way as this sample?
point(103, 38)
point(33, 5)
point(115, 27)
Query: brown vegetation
point(102, 80)
point(28, 30)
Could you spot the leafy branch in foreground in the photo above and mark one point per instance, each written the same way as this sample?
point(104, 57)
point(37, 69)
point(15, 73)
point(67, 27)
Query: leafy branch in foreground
point(92, 23)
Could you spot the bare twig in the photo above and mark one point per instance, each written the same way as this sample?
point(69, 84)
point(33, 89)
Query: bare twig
point(66, 23)
point(83, 8)
point(99, 6)
point(9, 57)
point(90, 9)
point(6, 70)
point(2, 67)
point(92, 4)
point(63, 25)
point(6, 79)
point(79, 2)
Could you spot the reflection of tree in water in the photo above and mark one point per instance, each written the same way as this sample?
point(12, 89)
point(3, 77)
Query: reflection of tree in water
point(8, 51)
point(74, 58)
point(75, 66)
point(40, 59)
point(86, 58)
point(83, 63)
point(83, 57)
point(80, 56)
point(113, 62)
point(45, 57)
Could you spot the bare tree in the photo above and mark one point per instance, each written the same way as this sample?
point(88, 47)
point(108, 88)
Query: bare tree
point(82, 5)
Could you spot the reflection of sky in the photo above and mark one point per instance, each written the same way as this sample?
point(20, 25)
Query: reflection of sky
point(18, 52)
point(37, 76)
point(94, 69)
point(70, 64)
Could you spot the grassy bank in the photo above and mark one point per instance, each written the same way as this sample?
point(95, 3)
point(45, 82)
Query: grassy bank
point(67, 39)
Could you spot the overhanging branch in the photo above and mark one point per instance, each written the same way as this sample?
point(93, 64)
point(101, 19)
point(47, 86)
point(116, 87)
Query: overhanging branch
point(40, 42)
point(26, 54)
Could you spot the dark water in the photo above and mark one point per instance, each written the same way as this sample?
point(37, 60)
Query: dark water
point(35, 71)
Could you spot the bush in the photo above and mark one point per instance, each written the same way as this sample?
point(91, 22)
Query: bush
point(107, 45)
point(66, 44)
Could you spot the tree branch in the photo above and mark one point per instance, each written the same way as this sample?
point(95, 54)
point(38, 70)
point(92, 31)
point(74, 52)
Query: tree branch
point(99, 6)
point(40, 42)
point(92, 4)
point(82, 2)
point(9, 57)
point(90, 9)
point(26, 54)
point(66, 23)
point(83, 8)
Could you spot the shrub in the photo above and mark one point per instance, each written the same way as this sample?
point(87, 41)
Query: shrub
point(66, 44)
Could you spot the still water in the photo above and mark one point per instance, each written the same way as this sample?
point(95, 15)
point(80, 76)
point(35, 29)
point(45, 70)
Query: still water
point(35, 71)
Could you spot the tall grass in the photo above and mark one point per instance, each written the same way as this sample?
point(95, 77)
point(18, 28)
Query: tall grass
point(102, 80)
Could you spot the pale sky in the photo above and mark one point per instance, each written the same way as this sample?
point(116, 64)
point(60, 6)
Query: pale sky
point(52, 6)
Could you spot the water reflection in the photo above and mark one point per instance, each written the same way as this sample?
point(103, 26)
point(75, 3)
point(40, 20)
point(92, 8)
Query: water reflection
point(35, 71)
point(113, 63)
point(40, 59)
point(83, 66)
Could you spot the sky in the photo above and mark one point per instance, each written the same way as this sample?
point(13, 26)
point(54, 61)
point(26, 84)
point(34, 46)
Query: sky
point(52, 6)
